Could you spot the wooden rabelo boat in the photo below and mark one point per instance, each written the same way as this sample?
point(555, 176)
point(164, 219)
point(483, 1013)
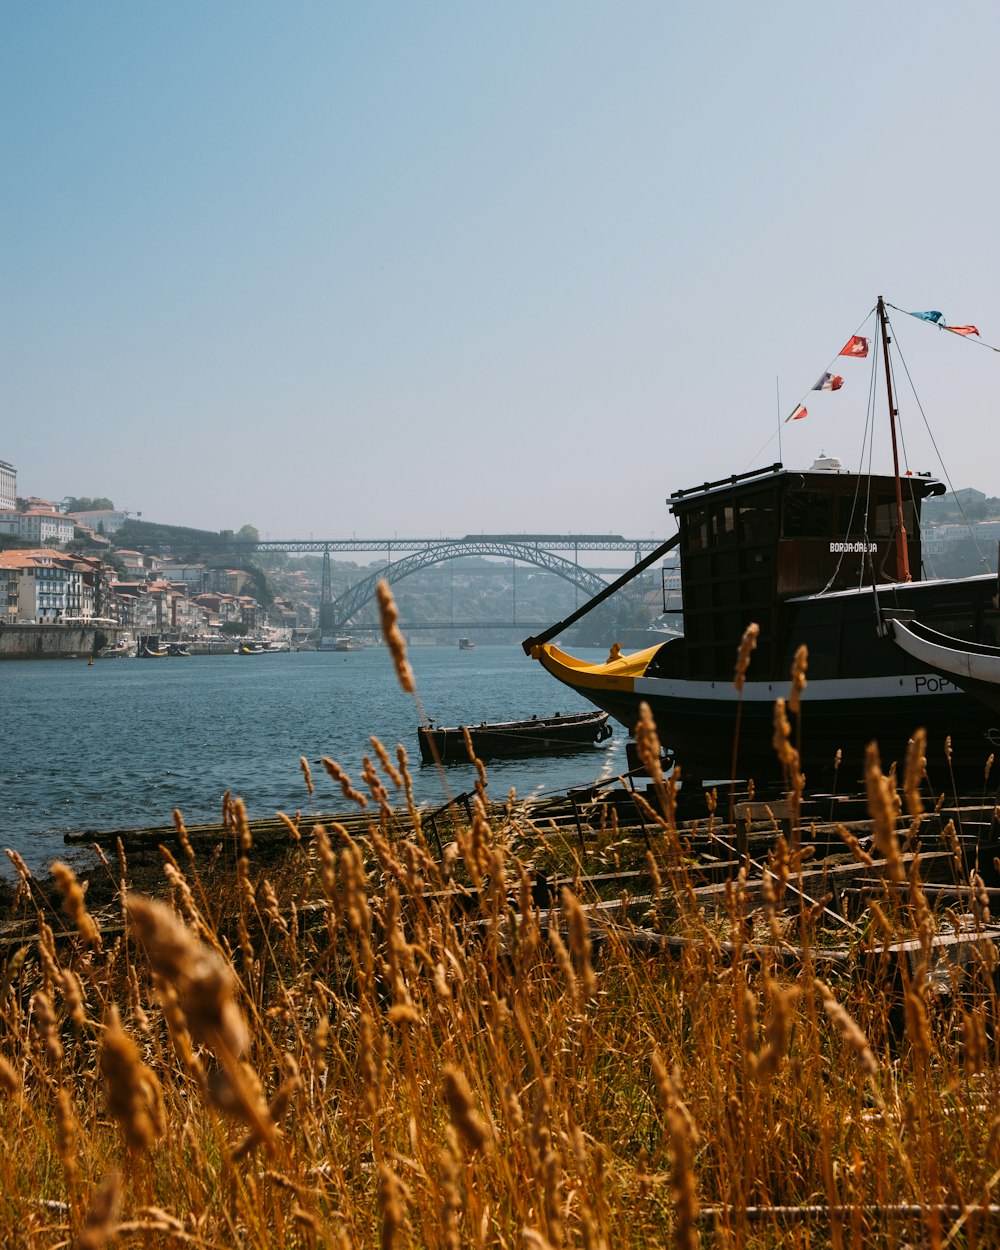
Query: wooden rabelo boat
point(537, 736)
point(823, 558)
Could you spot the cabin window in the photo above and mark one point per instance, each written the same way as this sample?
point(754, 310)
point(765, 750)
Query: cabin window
point(885, 519)
point(808, 514)
point(724, 524)
point(852, 516)
point(706, 528)
point(757, 520)
point(696, 530)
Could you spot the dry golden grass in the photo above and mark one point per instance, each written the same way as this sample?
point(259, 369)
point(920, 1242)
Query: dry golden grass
point(366, 1044)
point(341, 1056)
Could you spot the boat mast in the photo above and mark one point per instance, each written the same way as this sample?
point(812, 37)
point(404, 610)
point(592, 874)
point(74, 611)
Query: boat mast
point(902, 551)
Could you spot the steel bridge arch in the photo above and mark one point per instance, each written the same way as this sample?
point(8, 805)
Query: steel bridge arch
point(354, 599)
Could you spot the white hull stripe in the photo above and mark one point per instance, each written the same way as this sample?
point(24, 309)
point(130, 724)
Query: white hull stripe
point(853, 689)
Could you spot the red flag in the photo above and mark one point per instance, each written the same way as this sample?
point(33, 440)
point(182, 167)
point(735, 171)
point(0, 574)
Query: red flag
point(856, 346)
point(964, 330)
point(798, 414)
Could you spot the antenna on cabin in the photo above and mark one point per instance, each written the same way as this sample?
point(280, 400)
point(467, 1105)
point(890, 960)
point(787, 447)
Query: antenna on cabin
point(777, 400)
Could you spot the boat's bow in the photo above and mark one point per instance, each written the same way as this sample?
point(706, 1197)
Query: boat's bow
point(610, 685)
point(972, 666)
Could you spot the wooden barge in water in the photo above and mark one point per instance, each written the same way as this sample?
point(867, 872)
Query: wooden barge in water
point(537, 736)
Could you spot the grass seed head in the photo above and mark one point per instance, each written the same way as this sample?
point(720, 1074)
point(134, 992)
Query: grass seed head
point(799, 666)
point(470, 1124)
point(883, 811)
point(72, 988)
point(74, 905)
point(748, 644)
point(647, 742)
point(135, 1098)
point(385, 760)
point(389, 617)
point(778, 1029)
point(975, 1043)
point(182, 835)
point(918, 1027)
point(10, 1081)
point(683, 1186)
point(66, 1134)
point(344, 781)
point(392, 1196)
point(99, 1222)
point(204, 983)
point(45, 1025)
point(849, 1029)
point(579, 943)
point(563, 959)
point(916, 771)
point(782, 739)
point(307, 774)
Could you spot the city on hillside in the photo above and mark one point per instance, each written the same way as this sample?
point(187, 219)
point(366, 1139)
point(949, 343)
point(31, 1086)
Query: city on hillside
point(82, 559)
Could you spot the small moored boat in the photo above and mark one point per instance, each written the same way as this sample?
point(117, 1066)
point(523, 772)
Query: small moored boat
point(117, 650)
point(541, 735)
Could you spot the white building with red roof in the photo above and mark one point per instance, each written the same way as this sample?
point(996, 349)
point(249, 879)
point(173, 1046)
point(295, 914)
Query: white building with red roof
point(44, 586)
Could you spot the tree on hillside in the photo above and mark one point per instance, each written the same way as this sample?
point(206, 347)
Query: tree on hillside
point(85, 504)
point(264, 592)
point(964, 558)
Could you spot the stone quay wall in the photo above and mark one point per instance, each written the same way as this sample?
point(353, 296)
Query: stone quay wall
point(49, 642)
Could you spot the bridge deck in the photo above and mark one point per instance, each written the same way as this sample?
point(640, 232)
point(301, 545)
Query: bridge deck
point(545, 542)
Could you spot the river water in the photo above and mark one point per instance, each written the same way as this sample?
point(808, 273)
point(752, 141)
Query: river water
point(122, 742)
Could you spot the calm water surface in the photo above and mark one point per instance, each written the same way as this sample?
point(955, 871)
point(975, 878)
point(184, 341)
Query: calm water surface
point(121, 743)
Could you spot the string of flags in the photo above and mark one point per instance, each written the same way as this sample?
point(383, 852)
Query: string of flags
point(938, 320)
point(857, 348)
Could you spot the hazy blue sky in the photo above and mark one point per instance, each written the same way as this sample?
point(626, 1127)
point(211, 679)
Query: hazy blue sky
point(439, 268)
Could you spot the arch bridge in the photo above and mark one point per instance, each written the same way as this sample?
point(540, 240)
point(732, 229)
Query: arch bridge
point(344, 608)
point(539, 550)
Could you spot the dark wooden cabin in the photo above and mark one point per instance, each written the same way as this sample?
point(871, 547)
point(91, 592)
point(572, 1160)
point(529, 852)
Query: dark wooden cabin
point(750, 542)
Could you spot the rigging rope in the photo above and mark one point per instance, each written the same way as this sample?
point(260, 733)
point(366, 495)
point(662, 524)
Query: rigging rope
point(968, 338)
point(930, 433)
point(777, 433)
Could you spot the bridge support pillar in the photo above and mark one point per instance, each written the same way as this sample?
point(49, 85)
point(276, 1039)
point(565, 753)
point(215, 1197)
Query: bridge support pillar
point(326, 623)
